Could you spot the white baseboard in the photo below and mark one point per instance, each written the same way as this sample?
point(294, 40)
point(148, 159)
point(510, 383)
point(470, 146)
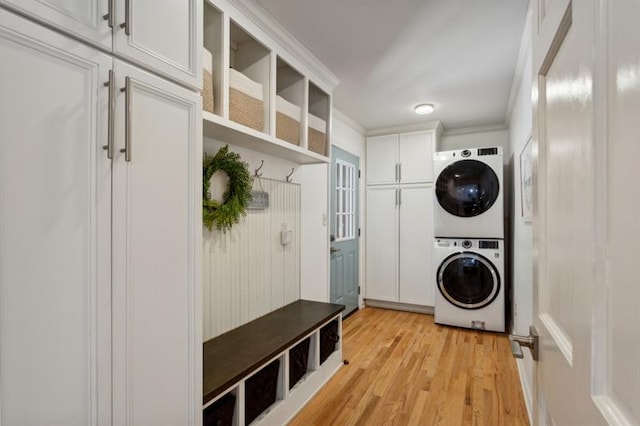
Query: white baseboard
point(526, 388)
point(399, 306)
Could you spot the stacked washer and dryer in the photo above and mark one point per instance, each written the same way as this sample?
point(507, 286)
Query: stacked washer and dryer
point(469, 239)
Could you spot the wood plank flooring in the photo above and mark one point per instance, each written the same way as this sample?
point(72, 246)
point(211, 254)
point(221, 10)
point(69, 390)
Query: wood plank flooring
point(406, 370)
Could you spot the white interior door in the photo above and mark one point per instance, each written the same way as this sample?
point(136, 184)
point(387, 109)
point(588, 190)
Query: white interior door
point(585, 211)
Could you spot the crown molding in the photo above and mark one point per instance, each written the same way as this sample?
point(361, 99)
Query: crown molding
point(429, 125)
point(267, 23)
point(345, 119)
point(523, 54)
point(476, 129)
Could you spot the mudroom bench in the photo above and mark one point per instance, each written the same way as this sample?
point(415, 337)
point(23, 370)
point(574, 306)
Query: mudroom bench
point(263, 372)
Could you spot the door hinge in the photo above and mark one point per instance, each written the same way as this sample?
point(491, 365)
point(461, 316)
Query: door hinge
point(358, 289)
point(358, 172)
point(359, 233)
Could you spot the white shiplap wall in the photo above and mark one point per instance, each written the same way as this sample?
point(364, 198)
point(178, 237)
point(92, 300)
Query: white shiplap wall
point(247, 272)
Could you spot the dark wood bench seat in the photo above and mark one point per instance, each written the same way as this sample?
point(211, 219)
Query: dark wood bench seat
point(230, 357)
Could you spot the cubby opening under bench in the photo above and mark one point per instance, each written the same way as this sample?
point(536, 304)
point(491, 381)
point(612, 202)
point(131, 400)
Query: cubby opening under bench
point(265, 371)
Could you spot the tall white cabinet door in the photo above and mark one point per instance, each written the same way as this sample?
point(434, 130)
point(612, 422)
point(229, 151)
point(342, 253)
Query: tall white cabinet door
point(417, 280)
point(81, 18)
point(156, 281)
point(382, 159)
point(415, 153)
point(55, 227)
point(382, 243)
point(163, 35)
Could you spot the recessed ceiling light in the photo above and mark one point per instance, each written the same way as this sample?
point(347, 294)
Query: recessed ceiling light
point(424, 109)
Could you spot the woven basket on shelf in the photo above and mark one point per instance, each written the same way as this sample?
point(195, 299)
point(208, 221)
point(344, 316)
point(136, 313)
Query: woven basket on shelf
point(317, 141)
point(207, 91)
point(287, 128)
point(245, 109)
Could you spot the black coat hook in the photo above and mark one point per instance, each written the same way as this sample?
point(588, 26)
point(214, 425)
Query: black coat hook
point(289, 176)
point(258, 169)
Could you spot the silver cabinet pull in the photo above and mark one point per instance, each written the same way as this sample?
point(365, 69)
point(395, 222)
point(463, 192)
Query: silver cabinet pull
point(396, 196)
point(109, 17)
point(127, 119)
point(127, 18)
point(400, 196)
point(112, 86)
point(399, 172)
point(396, 172)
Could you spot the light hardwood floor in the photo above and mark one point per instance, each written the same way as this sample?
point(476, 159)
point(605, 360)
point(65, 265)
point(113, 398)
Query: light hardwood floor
point(406, 370)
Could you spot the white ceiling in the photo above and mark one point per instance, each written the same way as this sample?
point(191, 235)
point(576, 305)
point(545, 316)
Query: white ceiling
point(390, 55)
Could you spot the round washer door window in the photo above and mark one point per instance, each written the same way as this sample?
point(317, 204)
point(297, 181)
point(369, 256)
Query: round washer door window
point(467, 188)
point(468, 280)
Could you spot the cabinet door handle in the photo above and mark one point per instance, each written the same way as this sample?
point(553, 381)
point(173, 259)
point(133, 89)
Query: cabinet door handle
point(396, 196)
point(399, 172)
point(400, 196)
point(109, 17)
point(396, 172)
point(110, 111)
point(127, 21)
point(127, 119)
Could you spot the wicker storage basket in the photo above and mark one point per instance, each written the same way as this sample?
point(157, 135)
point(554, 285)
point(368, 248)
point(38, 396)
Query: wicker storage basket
point(246, 110)
point(317, 141)
point(207, 91)
point(287, 128)
point(207, 81)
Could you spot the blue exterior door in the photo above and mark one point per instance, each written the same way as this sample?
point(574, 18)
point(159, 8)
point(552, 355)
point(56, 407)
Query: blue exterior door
point(345, 243)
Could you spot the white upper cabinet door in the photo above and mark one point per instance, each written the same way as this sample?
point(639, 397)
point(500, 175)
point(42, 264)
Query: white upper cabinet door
point(81, 18)
point(55, 229)
point(382, 159)
point(165, 36)
point(415, 151)
point(417, 279)
point(156, 262)
point(382, 243)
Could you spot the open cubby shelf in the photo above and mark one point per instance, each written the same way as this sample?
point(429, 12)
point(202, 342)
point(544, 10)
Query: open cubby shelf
point(268, 368)
point(259, 98)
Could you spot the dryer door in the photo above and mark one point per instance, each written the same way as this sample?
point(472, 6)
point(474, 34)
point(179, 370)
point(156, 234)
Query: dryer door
point(468, 280)
point(467, 188)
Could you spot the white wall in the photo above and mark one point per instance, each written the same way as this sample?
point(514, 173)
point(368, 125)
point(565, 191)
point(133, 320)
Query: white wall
point(348, 136)
point(247, 272)
point(520, 120)
point(476, 137)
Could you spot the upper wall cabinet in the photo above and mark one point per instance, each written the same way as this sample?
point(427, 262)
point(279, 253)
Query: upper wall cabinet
point(262, 90)
point(164, 37)
point(400, 158)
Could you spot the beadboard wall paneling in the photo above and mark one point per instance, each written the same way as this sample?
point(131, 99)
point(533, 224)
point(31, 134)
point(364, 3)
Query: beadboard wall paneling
point(247, 272)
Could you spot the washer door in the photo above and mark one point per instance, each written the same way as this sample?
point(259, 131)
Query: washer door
point(468, 280)
point(467, 188)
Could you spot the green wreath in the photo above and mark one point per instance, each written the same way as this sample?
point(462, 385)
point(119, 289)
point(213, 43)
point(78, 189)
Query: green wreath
point(235, 198)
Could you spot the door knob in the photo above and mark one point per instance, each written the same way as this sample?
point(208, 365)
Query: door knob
point(531, 341)
point(334, 250)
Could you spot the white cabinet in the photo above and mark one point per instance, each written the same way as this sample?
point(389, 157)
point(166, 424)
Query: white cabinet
point(156, 336)
point(399, 240)
point(382, 243)
point(99, 265)
point(417, 278)
point(400, 218)
point(55, 227)
point(403, 158)
point(160, 35)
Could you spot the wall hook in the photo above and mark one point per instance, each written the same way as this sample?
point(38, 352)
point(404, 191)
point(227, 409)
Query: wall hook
point(289, 176)
point(258, 169)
